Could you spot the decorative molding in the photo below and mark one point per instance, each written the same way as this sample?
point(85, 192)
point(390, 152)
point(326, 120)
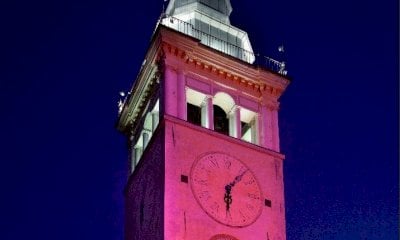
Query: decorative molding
point(250, 83)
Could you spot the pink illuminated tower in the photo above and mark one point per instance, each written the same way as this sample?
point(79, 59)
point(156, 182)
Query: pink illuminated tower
point(202, 126)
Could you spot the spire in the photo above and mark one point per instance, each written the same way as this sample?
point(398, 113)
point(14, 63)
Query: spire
point(209, 19)
point(217, 9)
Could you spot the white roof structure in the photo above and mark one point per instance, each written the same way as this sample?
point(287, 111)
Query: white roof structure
point(208, 21)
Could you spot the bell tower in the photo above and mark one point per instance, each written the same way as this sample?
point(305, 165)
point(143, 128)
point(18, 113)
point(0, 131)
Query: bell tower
point(201, 122)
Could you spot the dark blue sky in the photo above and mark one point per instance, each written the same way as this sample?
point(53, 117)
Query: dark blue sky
point(62, 163)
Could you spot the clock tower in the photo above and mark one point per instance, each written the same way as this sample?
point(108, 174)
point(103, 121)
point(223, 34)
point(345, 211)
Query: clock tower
point(201, 121)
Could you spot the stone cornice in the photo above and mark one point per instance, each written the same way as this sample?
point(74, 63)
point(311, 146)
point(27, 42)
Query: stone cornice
point(147, 79)
point(190, 51)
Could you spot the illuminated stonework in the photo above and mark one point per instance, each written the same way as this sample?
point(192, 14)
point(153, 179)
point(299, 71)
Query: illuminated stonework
point(189, 101)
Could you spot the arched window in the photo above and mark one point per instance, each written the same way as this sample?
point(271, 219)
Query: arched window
point(196, 107)
point(224, 114)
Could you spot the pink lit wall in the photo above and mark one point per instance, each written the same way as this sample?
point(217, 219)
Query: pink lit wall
point(184, 218)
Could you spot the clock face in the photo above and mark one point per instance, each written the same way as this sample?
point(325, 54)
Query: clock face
point(226, 189)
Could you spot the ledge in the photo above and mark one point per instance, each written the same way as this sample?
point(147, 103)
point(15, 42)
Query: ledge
point(234, 140)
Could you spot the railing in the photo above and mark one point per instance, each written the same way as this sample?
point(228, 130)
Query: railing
point(275, 65)
point(223, 46)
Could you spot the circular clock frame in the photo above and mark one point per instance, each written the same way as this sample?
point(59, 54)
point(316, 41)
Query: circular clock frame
point(223, 237)
point(211, 174)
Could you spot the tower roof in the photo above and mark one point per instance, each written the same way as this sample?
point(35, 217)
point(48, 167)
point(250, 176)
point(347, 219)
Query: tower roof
point(209, 21)
point(218, 9)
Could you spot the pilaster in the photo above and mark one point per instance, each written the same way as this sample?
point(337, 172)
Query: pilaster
point(275, 129)
point(269, 121)
point(210, 112)
point(170, 91)
point(181, 89)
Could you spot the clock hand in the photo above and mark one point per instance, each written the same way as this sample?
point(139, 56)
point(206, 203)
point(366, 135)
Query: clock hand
point(227, 196)
point(237, 179)
point(228, 188)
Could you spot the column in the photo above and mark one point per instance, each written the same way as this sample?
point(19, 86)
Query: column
point(132, 161)
point(210, 112)
point(138, 154)
point(257, 129)
point(238, 123)
point(232, 123)
point(132, 156)
point(204, 113)
point(235, 125)
point(154, 120)
point(146, 138)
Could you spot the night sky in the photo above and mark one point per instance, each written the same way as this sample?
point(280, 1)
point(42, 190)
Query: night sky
point(63, 163)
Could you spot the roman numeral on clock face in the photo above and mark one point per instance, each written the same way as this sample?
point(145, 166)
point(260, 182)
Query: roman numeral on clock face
point(214, 163)
point(201, 181)
point(227, 164)
point(242, 170)
point(253, 196)
point(215, 207)
point(204, 195)
point(249, 207)
point(249, 182)
point(205, 168)
point(243, 216)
